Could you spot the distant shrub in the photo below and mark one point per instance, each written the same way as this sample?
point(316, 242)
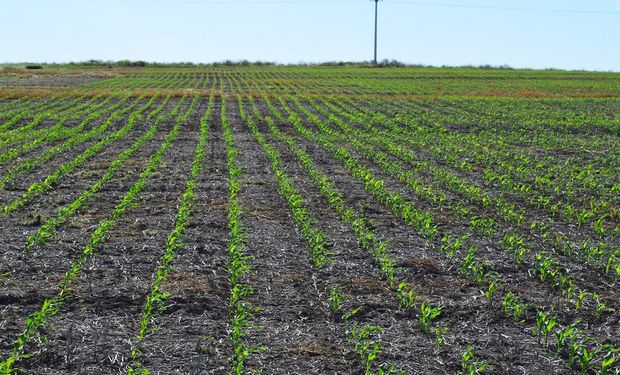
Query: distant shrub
point(483, 66)
point(489, 66)
point(241, 63)
point(339, 63)
point(34, 67)
point(385, 63)
point(93, 62)
point(139, 63)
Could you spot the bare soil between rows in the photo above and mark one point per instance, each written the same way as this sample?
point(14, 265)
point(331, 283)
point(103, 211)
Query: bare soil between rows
point(298, 334)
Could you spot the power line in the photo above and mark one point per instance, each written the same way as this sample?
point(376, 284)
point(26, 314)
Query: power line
point(235, 2)
point(305, 2)
point(493, 7)
point(197, 2)
point(422, 3)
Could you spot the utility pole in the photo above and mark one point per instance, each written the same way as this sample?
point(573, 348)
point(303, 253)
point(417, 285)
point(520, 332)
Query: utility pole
point(374, 60)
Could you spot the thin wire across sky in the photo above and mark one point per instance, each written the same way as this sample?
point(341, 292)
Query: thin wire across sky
point(419, 3)
point(322, 2)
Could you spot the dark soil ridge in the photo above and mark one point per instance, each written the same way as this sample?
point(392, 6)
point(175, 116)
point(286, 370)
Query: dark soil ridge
point(101, 292)
point(467, 314)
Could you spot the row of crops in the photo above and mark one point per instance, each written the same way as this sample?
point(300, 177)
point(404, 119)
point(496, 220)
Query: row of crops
point(436, 234)
point(410, 82)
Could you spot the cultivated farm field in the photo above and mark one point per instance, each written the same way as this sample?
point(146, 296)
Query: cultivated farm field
point(309, 220)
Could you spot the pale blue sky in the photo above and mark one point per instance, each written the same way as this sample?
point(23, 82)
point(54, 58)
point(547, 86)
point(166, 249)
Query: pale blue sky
point(570, 34)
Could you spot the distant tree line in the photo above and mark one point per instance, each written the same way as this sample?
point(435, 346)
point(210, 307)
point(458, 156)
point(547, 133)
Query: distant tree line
point(386, 63)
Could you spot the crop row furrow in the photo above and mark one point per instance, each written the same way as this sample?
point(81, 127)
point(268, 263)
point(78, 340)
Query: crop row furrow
point(599, 254)
point(470, 265)
point(157, 296)
point(22, 139)
point(49, 182)
point(314, 239)
point(403, 293)
point(46, 230)
point(456, 150)
point(597, 250)
point(27, 111)
point(239, 266)
point(52, 306)
point(56, 112)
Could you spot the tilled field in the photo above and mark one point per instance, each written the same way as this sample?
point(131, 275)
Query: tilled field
point(290, 221)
